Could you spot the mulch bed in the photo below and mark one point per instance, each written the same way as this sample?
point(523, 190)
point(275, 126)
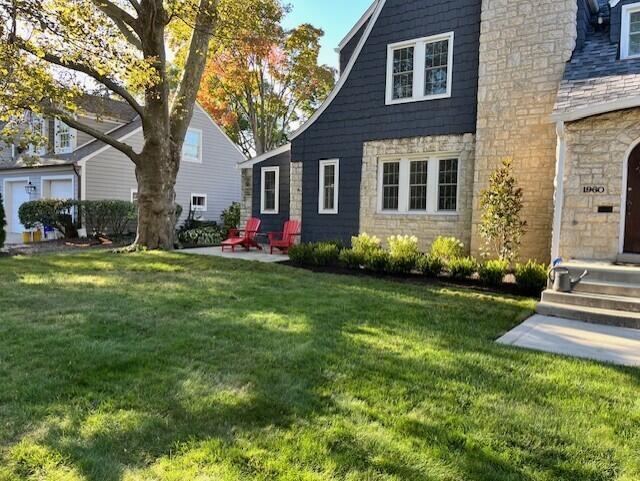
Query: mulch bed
point(60, 245)
point(509, 287)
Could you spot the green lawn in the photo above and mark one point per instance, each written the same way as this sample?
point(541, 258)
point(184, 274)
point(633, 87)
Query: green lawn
point(168, 367)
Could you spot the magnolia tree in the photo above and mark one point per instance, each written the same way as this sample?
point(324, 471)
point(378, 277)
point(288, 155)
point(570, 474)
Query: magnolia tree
point(54, 52)
point(502, 226)
point(262, 81)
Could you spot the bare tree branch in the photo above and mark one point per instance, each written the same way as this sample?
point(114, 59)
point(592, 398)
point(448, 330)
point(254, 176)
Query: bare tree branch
point(78, 67)
point(135, 4)
point(117, 14)
point(128, 33)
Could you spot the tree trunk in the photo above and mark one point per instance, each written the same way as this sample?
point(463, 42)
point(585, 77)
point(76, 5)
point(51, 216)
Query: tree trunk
point(156, 172)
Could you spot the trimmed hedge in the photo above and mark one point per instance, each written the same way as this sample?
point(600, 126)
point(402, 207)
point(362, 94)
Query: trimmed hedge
point(53, 213)
point(108, 217)
point(205, 236)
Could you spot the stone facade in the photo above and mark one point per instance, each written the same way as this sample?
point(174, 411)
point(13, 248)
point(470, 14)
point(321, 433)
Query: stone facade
point(524, 47)
point(596, 150)
point(295, 191)
point(426, 227)
point(246, 202)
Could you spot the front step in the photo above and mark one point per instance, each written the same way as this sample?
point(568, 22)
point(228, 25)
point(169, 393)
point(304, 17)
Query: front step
point(590, 314)
point(609, 288)
point(599, 301)
point(628, 259)
point(605, 272)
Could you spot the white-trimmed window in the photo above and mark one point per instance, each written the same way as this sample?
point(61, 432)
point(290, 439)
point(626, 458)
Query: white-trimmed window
point(270, 190)
point(64, 138)
point(329, 180)
point(192, 147)
point(630, 33)
point(420, 69)
point(199, 202)
point(427, 185)
point(38, 126)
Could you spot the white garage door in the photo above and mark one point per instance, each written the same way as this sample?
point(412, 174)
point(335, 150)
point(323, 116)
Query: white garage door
point(61, 189)
point(16, 196)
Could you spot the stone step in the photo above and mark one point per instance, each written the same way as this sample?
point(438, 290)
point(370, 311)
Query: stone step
point(600, 301)
point(629, 259)
point(609, 288)
point(605, 272)
point(590, 314)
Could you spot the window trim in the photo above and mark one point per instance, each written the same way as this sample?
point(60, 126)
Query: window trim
point(44, 132)
point(134, 192)
point(195, 160)
point(198, 208)
point(72, 134)
point(433, 184)
point(263, 171)
point(419, 69)
point(324, 163)
point(625, 30)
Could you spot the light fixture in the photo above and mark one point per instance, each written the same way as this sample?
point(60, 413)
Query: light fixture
point(30, 188)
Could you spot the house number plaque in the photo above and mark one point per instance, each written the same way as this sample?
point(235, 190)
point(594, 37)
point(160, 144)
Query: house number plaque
point(594, 189)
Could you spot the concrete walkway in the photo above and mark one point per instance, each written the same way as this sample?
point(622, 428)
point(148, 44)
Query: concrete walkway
point(253, 255)
point(615, 345)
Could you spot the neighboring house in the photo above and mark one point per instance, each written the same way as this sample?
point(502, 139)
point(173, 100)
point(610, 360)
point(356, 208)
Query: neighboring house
point(76, 166)
point(433, 94)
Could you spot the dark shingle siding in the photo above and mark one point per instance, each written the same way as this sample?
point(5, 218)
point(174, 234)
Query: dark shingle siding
point(616, 19)
point(349, 48)
point(359, 114)
point(272, 222)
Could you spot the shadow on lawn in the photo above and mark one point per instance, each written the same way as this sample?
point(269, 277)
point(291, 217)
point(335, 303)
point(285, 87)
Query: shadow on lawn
point(144, 370)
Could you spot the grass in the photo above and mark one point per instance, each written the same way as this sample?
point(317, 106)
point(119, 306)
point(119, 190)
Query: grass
point(168, 367)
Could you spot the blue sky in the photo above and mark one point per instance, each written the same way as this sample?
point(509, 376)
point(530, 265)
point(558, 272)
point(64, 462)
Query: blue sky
point(335, 17)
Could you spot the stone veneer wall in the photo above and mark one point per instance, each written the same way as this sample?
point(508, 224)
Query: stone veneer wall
point(425, 227)
point(246, 200)
point(524, 47)
point(595, 156)
point(295, 191)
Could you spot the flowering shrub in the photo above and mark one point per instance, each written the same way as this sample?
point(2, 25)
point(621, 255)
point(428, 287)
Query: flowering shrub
point(447, 248)
point(403, 253)
point(364, 244)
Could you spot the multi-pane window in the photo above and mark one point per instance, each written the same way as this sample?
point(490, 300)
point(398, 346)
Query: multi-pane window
point(634, 33)
point(198, 202)
point(63, 137)
point(192, 146)
point(448, 185)
point(328, 188)
point(420, 69)
point(38, 127)
point(269, 181)
point(630, 31)
point(436, 67)
point(403, 73)
point(418, 175)
point(390, 185)
point(427, 185)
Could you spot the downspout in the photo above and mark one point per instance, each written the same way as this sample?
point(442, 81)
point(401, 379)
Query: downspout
point(79, 193)
point(561, 153)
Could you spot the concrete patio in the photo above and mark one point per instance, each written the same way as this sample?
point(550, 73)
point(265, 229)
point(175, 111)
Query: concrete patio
point(253, 255)
point(597, 342)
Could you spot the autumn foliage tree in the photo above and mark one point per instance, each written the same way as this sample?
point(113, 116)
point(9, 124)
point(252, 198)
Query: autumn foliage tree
point(264, 81)
point(53, 52)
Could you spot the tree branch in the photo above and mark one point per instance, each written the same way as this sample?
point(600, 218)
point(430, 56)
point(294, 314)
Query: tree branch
point(128, 33)
point(117, 14)
point(85, 69)
point(95, 133)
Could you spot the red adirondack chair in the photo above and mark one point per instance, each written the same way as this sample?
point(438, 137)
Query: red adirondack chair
point(243, 237)
point(285, 239)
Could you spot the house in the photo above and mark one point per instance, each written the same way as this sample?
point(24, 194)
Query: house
point(74, 165)
point(434, 94)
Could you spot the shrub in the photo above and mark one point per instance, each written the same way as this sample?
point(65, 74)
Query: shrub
point(447, 248)
point(57, 214)
point(301, 254)
point(3, 235)
point(430, 265)
point(230, 217)
point(501, 226)
point(462, 267)
point(492, 272)
point(531, 277)
point(325, 254)
point(364, 244)
point(108, 217)
point(201, 236)
point(377, 260)
point(403, 253)
point(351, 259)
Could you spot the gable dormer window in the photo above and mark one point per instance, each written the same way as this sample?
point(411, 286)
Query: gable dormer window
point(38, 127)
point(64, 138)
point(420, 69)
point(630, 40)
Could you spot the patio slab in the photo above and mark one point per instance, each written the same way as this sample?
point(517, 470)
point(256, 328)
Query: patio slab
point(617, 345)
point(253, 255)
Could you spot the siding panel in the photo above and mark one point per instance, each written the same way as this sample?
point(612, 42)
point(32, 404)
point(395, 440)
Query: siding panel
point(273, 222)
